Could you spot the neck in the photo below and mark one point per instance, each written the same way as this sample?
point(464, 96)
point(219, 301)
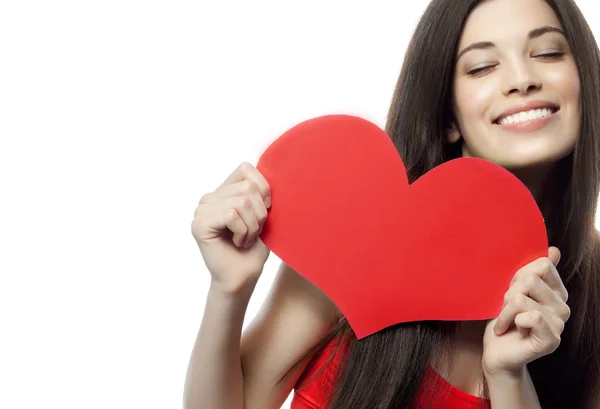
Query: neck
point(463, 370)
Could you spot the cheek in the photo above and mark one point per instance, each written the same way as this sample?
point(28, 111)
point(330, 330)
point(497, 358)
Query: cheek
point(566, 82)
point(474, 100)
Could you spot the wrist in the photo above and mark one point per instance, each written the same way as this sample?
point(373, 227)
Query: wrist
point(232, 293)
point(506, 376)
point(512, 389)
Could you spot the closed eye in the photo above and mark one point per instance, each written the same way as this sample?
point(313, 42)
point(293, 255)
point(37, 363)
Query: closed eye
point(551, 55)
point(478, 70)
point(547, 56)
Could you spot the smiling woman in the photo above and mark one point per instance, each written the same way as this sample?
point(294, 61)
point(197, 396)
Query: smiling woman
point(516, 82)
point(518, 67)
point(509, 76)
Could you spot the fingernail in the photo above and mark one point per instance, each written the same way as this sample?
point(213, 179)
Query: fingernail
point(268, 202)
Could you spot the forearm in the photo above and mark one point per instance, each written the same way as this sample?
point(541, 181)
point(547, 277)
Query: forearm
point(513, 391)
point(214, 375)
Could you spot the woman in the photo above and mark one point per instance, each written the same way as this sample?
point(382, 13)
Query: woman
point(471, 67)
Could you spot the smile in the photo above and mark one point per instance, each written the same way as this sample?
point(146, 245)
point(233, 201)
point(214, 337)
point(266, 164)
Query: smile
point(527, 121)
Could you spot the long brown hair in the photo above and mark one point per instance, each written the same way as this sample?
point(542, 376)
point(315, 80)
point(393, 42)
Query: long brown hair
point(385, 369)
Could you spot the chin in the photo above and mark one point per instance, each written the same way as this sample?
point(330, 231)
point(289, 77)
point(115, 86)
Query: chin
point(540, 156)
point(527, 163)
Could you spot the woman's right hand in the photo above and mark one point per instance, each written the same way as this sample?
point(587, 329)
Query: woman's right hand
point(226, 226)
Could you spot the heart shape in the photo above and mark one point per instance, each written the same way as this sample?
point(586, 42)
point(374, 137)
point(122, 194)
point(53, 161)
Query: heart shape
point(344, 216)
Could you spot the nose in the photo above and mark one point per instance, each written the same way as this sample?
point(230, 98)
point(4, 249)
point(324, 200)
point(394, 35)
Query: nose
point(521, 78)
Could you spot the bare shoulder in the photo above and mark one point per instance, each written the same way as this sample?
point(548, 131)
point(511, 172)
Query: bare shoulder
point(293, 318)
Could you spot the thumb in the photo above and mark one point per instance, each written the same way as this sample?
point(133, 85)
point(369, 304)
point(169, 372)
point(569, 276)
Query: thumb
point(554, 255)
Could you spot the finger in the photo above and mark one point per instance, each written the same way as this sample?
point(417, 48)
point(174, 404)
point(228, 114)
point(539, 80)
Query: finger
point(248, 171)
point(538, 290)
point(242, 235)
point(546, 270)
point(544, 339)
point(554, 255)
point(517, 305)
point(248, 189)
point(245, 187)
point(216, 220)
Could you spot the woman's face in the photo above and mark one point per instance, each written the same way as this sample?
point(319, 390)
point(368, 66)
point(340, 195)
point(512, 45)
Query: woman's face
point(512, 58)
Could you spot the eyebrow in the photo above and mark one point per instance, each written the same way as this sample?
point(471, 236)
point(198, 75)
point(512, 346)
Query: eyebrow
point(535, 33)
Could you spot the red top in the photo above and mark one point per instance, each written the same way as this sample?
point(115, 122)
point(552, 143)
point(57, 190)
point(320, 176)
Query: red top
point(312, 395)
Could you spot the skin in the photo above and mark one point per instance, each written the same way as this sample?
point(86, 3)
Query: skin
point(296, 314)
point(515, 72)
point(512, 72)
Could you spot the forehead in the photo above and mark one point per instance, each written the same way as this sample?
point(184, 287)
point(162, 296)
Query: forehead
point(506, 20)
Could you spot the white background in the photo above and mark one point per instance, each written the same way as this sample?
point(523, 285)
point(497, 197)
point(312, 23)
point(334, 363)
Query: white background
point(115, 118)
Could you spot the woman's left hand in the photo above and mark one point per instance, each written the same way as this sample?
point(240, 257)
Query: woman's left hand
point(532, 318)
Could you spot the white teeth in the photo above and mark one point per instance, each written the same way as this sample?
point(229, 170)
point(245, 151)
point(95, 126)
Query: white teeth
point(525, 116)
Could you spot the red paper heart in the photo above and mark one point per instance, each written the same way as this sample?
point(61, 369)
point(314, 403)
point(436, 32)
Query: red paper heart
point(343, 216)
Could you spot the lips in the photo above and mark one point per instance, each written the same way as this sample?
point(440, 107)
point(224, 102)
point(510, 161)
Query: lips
point(527, 106)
